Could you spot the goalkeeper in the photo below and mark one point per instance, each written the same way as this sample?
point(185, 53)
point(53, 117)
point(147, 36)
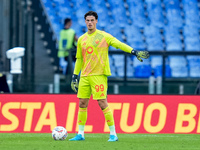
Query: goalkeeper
point(92, 60)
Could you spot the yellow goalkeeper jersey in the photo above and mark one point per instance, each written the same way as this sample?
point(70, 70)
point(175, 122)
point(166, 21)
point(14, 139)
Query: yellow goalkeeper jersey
point(92, 51)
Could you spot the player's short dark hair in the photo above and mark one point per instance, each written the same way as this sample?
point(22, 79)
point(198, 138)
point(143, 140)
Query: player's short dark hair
point(91, 13)
point(67, 20)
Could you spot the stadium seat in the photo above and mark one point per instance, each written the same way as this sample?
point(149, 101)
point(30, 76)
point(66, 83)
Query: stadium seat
point(158, 71)
point(172, 4)
point(115, 30)
point(190, 5)
point(155, 45)
point(61, 3)
point(194, 66)
point(118, 60)
point(152, 1)
point(193, 60)
point(111, 61)
point(192, 18)
point(64, 12)
point(179, 72)
point(130, 68)
point(119, 64)
point(120, 71)
point(156, 66)
point(118, 12)
point(155, 13)
point(137, 13)
point(174, 18)
point(156, 61)
point(191, 13)
point(174, 45)
point(141, 69)
point(170, 32)
point(103, 18)
point(177, 61)
point(153, 38)
point(132, 31)
point(112, 66)
point(190, 31)
point(172, 38)
point(100, 3)
point(150, 31)
point(138, 45)
point(178, 65)
point(173, 13)
point(81, 10)
point(130, 71)
point(115, 3)
point(134, 35)
point(194, 71)
point(192, 44)
point(113, 71)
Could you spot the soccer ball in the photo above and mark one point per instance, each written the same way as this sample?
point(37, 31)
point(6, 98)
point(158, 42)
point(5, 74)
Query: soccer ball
point(59, 133)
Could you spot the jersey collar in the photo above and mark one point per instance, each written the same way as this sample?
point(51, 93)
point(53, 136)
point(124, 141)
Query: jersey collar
point(92, 33)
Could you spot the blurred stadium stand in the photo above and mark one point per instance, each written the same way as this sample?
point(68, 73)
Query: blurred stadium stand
point(155, 25)
point(169, 29)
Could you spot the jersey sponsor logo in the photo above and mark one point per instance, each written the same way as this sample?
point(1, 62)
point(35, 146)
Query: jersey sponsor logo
point(89, 50)
point(84, 43)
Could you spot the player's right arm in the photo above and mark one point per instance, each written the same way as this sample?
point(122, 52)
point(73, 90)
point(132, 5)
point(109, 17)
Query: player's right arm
point(79, 58)
point(77, 68)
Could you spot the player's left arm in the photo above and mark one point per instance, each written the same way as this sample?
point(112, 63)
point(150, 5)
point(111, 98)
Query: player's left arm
point(126, 48)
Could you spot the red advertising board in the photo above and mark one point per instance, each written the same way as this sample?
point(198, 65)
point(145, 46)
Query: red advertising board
point(40, 113)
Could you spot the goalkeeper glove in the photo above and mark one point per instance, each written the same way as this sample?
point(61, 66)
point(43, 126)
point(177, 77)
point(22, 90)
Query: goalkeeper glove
point(140, 54)
point(74, 83)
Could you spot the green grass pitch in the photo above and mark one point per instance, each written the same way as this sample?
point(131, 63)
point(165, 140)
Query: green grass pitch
point(44, 141)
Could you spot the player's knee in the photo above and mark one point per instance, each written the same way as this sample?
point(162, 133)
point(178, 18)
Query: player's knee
point(103, 104)
point(83, 103)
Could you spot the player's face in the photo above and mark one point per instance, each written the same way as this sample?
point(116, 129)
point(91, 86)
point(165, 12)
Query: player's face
point(91, 22)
